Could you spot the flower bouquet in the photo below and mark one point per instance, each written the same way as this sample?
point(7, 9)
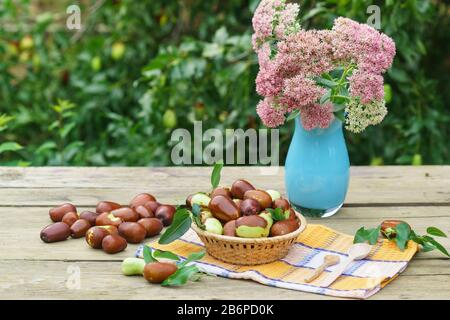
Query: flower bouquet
point(323, 78)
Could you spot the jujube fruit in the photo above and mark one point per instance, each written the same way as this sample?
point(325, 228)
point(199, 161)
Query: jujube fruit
point(141, 199)
point(57, 213)
point(70, 218)
point(58, 231)
point(126, 214)
point(165, 213)
point(153, 226)
point(264, 199)
point(157, 272)
point(223, 208)
point(113, 244)
point(239, 187)
point(107, 206)
point(79, 228)
point(133, 232)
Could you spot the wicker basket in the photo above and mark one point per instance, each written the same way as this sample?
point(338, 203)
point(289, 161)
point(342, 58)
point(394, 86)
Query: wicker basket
point(246, 251)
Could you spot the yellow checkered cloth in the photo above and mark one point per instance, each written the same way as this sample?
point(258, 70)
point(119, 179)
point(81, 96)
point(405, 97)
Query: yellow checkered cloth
point(361, 279)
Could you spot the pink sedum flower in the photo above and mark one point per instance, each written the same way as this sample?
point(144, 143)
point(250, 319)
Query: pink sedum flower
point(300, 91)
point(367, 86)
point(272, 115)
point(316, 116)
point(291, 59)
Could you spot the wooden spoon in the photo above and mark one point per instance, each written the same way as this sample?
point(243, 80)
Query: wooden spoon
point(357, 251)
point(328, 261)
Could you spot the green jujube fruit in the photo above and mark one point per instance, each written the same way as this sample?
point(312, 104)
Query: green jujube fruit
point(133, 266)
point(274, 194)
point(213, 225)
point(201, 199)
point(266, 216)
point(250, 232)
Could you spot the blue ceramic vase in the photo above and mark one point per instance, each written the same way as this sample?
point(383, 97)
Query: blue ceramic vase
point(317, 170)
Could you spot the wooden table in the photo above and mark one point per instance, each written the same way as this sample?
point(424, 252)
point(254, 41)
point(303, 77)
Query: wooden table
point(31, 269)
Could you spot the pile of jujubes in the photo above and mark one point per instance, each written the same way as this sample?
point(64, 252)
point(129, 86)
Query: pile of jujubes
point(112, 225)
point(246, 212)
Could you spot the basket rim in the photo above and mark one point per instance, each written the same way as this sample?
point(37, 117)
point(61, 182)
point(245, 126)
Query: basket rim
point(221, 237)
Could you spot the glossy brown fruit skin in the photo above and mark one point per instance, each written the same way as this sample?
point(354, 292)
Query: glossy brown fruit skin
point(153, 226)
point(141, 199)
point(157, 272)
point(58, 231)
point(251, 221)
point(188, 200)
point(152, 206)
point(221, 191)
point(70, 218)
point(126, 214)
point(283, 227)
point(111, 229)
point(386, 225)
point(57, 213)
point(249, 207)
point(95, 235)
point(133, 232)
point(292, 214)
point(108, 219)
point(113, 244)
point(229, 229)
point(79, 228)
point(239, 187)
point(281, 203)
point(144, 212)
point(264, 199)
point(107, 206)
point(223, 208)
point(165, 213)
point(89, 216)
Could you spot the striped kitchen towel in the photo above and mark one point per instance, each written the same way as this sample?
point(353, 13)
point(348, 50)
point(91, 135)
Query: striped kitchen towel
point(361, 279)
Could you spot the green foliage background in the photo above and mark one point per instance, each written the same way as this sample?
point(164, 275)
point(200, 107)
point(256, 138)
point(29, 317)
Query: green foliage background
point(112, 94)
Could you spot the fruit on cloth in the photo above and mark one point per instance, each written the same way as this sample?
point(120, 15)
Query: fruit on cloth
point(157, 272)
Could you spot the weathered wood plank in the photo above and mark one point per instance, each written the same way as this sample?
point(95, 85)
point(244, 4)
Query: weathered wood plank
point(19, 235)
point(424, 279)
point(368, 186)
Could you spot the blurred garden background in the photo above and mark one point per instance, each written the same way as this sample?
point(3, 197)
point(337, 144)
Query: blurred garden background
point(112, 93)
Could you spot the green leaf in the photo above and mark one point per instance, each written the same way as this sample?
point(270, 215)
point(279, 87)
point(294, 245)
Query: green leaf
point(196, 215)
point(9, 146)
point(325, 97)
point(403, 234)
point(325, 82)
point(148, 257)
point(439, 247)
point(372, 235)
point(293, 115)
point(278, 214)
point(181, 276)
point(340, 115)
point(215, 175)
point(181, 223)
point(360, 235)
point(193, 257)
point(427, 247)
point(436, 232)
point(159, 254)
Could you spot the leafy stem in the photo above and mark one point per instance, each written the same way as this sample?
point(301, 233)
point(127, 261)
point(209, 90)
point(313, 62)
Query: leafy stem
point(401, 234)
